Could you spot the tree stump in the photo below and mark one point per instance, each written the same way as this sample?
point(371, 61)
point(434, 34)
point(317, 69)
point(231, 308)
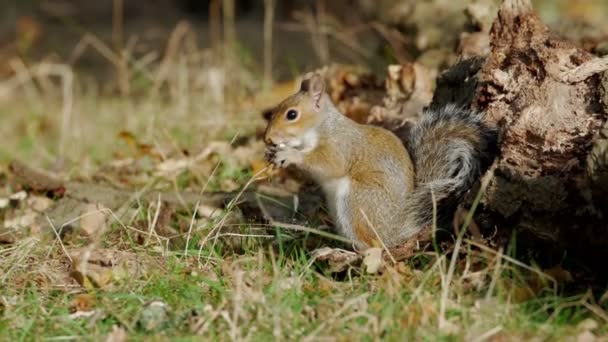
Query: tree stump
point(547, 99)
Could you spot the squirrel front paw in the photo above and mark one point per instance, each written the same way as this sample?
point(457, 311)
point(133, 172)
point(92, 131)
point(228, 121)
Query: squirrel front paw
point(282, 156)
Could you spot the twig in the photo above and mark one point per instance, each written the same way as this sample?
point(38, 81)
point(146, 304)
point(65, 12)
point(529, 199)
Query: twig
point(268, 23)
point(229, 29)
point(488, 334)
point(215, 7)
point(154, 221)
point(181, 30)
point(58, 238)
point(117, 24)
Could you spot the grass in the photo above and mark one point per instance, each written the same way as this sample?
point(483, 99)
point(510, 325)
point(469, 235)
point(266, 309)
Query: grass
point(254, 288)
point(264, 294)
point(225, 278)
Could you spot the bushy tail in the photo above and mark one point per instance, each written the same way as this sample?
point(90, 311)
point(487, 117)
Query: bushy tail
point(450, 148)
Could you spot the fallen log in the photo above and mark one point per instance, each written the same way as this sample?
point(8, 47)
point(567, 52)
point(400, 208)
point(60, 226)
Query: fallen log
point(547, 98)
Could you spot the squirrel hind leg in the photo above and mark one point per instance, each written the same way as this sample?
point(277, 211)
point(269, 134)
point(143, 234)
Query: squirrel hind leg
point(374, 216)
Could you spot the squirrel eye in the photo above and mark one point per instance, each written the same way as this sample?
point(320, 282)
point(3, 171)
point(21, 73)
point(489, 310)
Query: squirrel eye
point(291, 114)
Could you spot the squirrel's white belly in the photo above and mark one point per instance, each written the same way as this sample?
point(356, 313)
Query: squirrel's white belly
point(337, 192)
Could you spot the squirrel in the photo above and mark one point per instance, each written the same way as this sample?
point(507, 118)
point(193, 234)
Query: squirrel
point(380, 190)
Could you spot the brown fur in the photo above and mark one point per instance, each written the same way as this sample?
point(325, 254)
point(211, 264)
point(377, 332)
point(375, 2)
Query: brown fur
point(368, 169)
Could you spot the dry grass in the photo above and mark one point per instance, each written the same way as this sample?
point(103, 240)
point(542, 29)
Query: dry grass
point(229, 279)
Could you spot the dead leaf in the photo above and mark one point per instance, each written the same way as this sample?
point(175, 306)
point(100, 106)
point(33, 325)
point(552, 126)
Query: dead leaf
point(118, 334)
point(93, 220)
point(25, 220)
point(588, 324)
point(102, 268)
point(208, 211)
point(586, 336)
point(18, 196)
point(559, 274)
point(83, 302)
point(34, 179)
point(39, 203)
point(28, 32)
point(128, 138)
point(373, 260)
point(86, 314)
point(290, 283)
point(7, 236)
point(415, 244)
point(337, 259)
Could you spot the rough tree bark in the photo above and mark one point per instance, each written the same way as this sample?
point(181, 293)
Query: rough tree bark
point(547, 98)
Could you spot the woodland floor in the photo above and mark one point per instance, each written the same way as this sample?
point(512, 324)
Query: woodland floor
point(137, 265)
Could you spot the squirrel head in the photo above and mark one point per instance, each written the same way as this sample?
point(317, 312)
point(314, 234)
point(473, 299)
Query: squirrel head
point(294, 121)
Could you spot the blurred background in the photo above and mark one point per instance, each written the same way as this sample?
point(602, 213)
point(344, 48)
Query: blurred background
point(305, 33)
point(74, 74)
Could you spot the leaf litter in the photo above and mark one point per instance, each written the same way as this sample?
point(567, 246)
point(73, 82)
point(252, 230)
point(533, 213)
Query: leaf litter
point(151, 201)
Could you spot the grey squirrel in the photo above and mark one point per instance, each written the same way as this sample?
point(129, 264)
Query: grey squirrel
point(377, 187)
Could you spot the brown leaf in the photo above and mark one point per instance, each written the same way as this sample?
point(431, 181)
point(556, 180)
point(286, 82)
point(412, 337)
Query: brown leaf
point(39, 203)
point(128, 138)
point(83, 302)
point(34, 179)
point(93, 220)
point(118, 334)
point(104, 267)
point(373, 260)
point(559, 274)
point(28, 32)
point(338, 259)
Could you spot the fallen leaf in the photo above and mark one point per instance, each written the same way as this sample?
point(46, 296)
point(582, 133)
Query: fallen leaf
point(289, 283)
point(7, 236)
point(559, 274)
point(208, 211)
point(128, 138)
point(373, 260)
point(588, 324)
point(586, 336)
point(39, 203)
point(93, 220)
point(85, 314)
point(83, 302)
point(118, 334)
point(102, 268)
point(18, 196)
point(171, 167)
point(21, 221)
point(35, 179)
point(28, 32)
point(337, 259)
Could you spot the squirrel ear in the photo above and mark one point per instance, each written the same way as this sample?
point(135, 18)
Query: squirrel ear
point(315, 87)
